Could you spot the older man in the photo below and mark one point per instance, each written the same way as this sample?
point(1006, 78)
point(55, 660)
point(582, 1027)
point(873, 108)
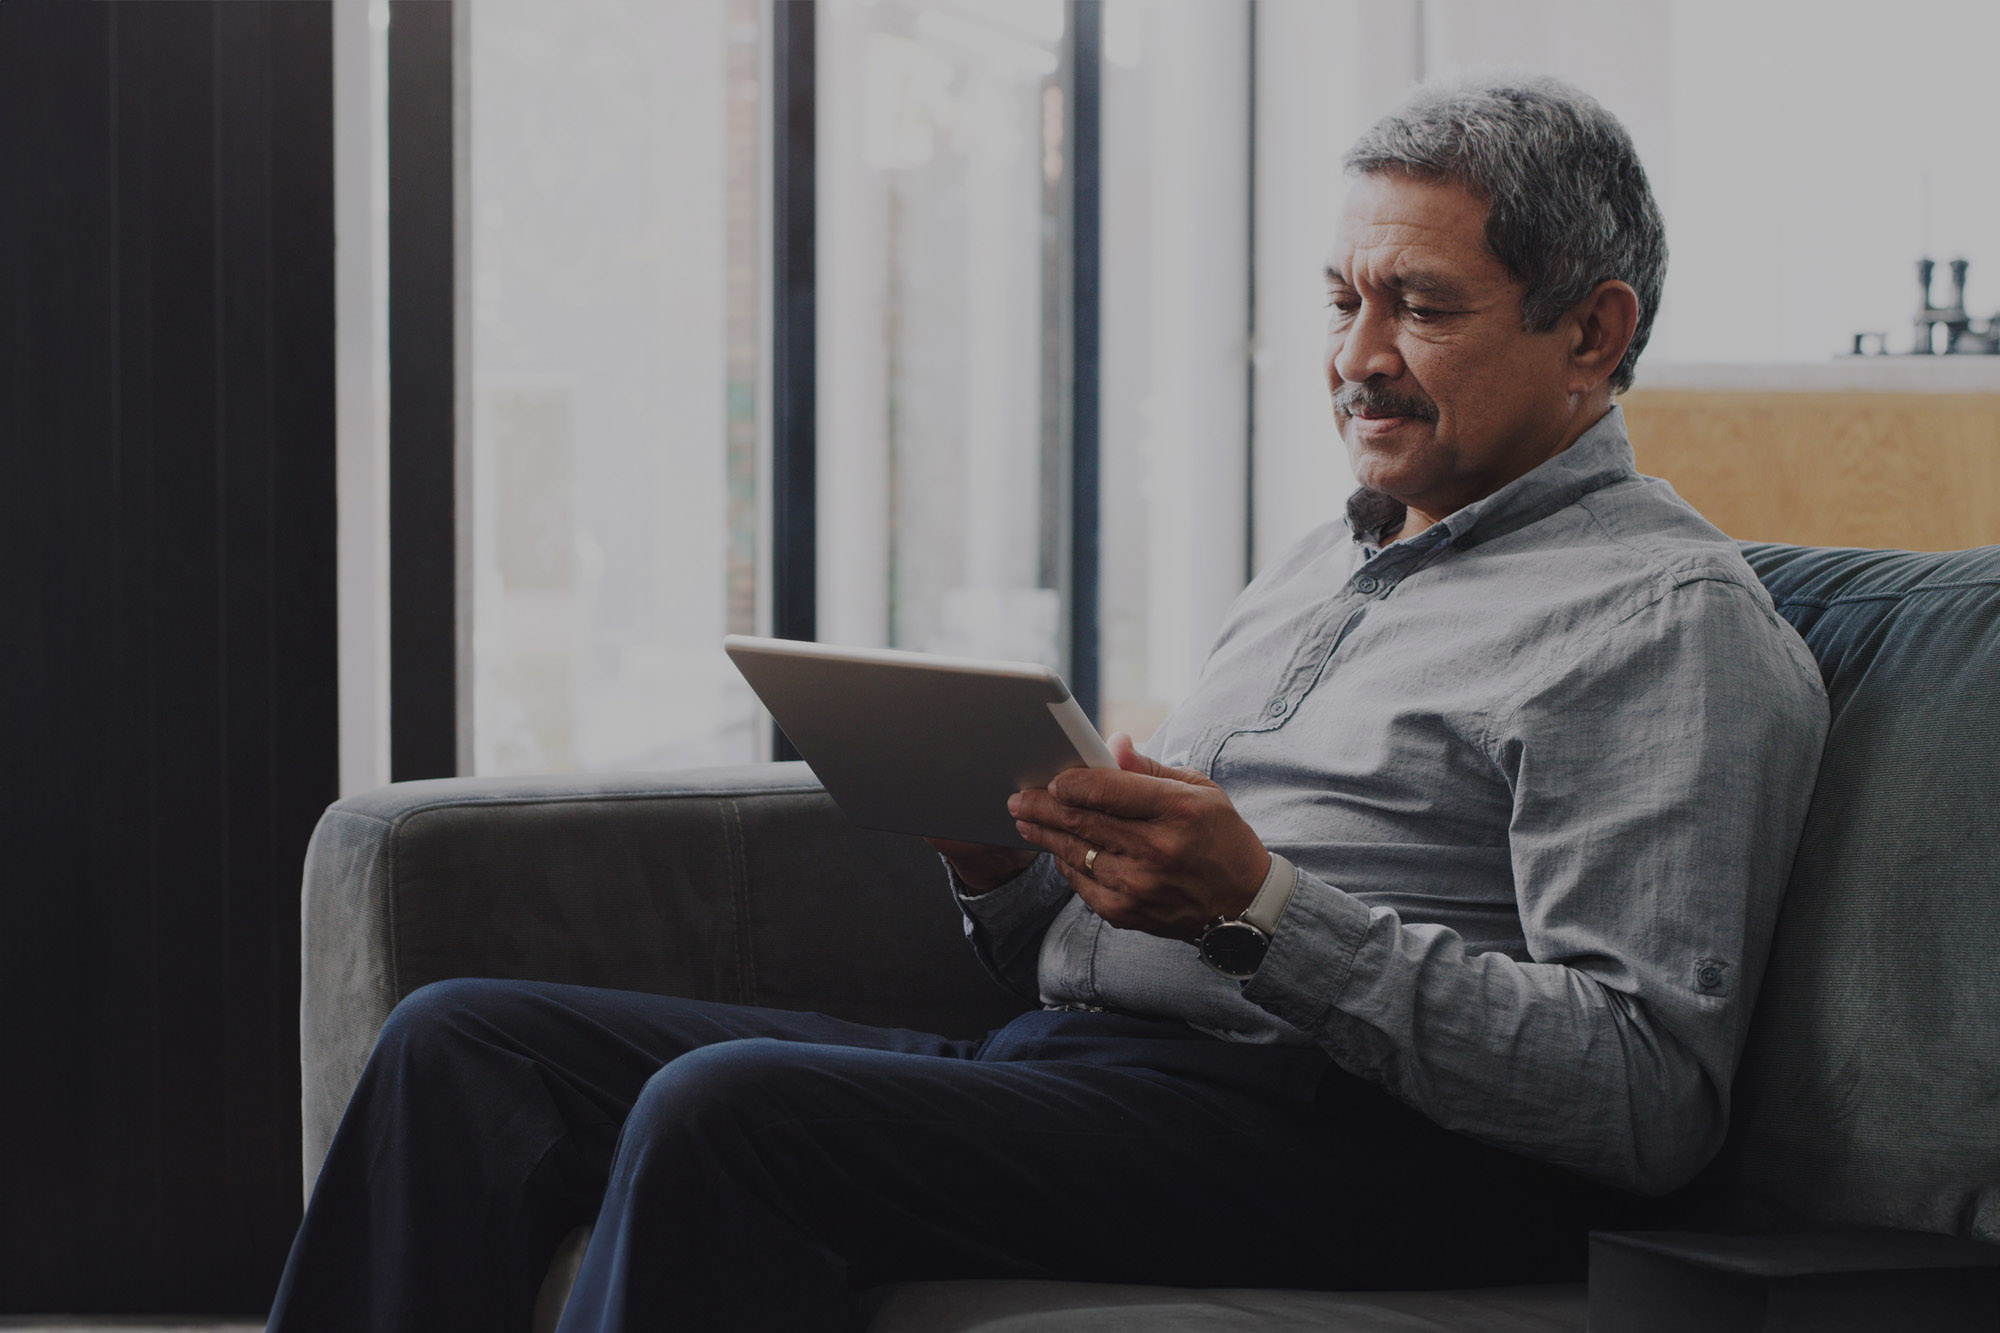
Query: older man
point(1427, 943)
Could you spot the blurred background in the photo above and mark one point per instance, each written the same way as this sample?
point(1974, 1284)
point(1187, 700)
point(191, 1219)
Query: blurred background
point(615, 197)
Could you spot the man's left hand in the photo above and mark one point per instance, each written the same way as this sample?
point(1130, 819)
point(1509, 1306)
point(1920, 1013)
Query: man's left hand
point(1172, 853)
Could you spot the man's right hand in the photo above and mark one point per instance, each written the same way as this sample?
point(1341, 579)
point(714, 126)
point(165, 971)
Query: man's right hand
point(982, 866)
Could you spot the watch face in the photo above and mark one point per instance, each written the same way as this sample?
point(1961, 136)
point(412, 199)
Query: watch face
point(1234, 948)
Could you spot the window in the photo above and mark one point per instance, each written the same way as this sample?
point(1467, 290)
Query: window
point(1175, 347)
point(942, 435)
point(613, 276)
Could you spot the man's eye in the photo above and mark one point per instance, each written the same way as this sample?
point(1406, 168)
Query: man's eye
point(1422, 313)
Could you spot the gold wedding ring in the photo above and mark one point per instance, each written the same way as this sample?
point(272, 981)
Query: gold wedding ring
point(1090, 860)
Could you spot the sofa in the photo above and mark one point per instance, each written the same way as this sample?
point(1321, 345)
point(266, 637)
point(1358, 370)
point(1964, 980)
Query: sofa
point(1862, 1168)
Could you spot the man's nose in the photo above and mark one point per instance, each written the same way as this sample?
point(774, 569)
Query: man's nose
point(1367, 347)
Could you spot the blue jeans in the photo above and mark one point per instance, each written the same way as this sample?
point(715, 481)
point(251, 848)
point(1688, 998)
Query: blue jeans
point(755, 1168)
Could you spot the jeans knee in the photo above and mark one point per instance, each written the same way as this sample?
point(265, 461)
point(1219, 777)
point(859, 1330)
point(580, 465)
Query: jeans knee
point(444, 1011)
point(724, 1087)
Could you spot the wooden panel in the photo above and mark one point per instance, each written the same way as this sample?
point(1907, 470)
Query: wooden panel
point(1910, 470)
point(167, 528)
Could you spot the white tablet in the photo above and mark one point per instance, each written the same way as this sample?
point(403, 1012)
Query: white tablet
point(917, 743)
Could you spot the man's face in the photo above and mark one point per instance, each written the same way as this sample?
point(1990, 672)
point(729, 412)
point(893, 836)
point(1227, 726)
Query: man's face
point(1440, 394)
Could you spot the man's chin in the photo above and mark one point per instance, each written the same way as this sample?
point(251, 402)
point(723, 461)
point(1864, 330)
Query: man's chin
point(1381, 458)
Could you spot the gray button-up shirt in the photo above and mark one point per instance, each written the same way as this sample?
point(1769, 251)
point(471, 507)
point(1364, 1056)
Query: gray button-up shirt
point(1542, 769)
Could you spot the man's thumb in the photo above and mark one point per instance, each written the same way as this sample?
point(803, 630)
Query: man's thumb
point(1132, 761)
point(1127, 756)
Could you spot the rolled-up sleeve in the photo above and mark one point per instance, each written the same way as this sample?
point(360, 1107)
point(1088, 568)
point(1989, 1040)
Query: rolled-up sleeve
point(1659, 774)
point(1006, 924)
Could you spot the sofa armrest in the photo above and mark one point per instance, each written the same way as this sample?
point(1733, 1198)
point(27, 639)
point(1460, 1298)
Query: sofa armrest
point(738, 884)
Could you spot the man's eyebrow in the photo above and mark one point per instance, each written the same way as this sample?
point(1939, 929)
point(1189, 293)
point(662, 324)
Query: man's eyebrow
point(1419, 283)
point(1416, 282)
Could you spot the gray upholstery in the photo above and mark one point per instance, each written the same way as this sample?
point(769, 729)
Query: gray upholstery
point(1870, 1093)
point(1870, 1090)
point(741, 884)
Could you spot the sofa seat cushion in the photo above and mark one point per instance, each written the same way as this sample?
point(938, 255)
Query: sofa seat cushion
point(1075, 1307)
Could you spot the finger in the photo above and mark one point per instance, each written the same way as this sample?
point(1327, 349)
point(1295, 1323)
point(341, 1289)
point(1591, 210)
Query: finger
point(1118, 906)
point(1113, 791)
point(1093, 827)
point(1071, 853)
point(1068, 849)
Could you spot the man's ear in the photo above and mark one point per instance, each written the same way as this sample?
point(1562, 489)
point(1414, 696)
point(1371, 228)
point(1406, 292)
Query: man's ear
point(1601, 325)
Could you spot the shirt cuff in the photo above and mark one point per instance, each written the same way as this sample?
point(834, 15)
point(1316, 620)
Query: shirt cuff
point(1311, 955)
point(1021, 901)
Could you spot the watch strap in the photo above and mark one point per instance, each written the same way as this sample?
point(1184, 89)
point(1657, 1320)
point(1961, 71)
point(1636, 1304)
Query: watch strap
point(1273, 895)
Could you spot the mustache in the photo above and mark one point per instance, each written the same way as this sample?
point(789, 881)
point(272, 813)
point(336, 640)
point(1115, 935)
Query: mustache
point(1353, 399)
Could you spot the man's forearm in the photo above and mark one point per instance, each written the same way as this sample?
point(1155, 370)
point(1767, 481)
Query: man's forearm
point(1007, 922)
point(981, 868)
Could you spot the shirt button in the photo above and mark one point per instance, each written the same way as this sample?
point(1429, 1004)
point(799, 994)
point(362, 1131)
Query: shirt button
point(1277, 708)
point(1708, 975)
point(1366, 585)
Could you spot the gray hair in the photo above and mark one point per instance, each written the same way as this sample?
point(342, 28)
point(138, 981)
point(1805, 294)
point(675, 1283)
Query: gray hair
point(1568, 205)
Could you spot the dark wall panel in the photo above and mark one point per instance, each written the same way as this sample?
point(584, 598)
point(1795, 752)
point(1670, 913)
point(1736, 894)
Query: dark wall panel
point(167, 542)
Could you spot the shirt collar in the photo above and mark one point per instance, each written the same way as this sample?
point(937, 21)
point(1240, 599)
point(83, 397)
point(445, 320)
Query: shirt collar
point(1600, 456)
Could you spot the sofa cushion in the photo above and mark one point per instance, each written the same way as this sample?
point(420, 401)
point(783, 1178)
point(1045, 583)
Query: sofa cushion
point(1869, 1093)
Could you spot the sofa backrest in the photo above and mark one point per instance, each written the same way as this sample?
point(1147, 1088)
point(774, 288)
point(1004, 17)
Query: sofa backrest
point(1869, 1093)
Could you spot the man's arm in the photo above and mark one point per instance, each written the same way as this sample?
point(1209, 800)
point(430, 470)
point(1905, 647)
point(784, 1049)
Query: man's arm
point(981, 867)
point(1651, 834)
point(1008, 898)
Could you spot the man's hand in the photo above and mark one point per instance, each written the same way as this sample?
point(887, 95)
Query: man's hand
point(983, 866)
point(1172, 853)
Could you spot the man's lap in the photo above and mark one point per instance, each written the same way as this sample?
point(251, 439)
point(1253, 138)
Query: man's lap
point(1066, 1144)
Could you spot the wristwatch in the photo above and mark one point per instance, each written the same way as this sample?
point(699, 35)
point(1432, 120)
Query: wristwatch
point(1236, 947)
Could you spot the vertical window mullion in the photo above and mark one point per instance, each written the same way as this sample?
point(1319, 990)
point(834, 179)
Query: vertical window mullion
point(794, 398)
point(423, 389)
point(1086, 36)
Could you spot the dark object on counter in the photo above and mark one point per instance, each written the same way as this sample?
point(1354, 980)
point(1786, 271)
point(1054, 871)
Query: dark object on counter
point(1963, 335)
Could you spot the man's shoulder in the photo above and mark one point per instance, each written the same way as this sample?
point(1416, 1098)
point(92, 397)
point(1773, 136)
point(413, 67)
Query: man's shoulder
point(1632, 562)
point(1642, 533)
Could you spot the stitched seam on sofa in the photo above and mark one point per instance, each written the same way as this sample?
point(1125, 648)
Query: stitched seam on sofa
point(1851, 599)
point(739, 893)
point(394, 841)
point(705, 794)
